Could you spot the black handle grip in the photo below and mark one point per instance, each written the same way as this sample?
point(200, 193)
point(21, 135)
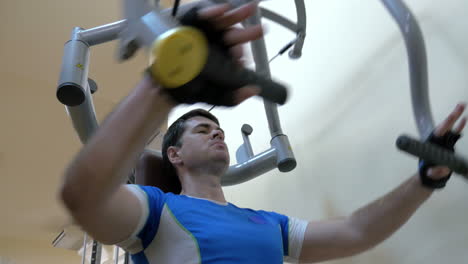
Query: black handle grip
point(433, 153)
point(270, 90)
point(223, 71)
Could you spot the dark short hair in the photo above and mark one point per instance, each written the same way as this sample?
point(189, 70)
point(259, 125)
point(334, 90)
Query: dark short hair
point(173, 138)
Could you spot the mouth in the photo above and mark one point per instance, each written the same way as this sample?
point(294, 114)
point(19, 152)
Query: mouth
point(219, 143)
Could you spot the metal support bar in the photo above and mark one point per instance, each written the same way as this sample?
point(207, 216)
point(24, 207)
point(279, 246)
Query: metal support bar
point(85, 241)
point(416, 51)
point(74, 74)
point(296, 52)
point(245, 152)
point(116, 255)
point(417, 60)
point(81, 109)
point(270, 15)
point(84, 118)
point(246, 132)
point(262, 163)
point(285, 160)
point(250, 169)
point(102, 34)
point(261, 64)
point(96, 253)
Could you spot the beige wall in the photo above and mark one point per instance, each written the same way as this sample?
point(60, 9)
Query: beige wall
point(35, 252)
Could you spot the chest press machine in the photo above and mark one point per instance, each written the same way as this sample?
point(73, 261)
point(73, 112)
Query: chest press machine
point(149, 26)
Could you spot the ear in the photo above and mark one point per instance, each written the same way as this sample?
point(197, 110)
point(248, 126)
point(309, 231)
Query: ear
point(173, 155)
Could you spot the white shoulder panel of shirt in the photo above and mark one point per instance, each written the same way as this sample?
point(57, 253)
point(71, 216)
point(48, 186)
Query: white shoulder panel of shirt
point(133, 244)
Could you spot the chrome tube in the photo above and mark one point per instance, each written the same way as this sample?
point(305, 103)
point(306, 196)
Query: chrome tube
point(416, 51)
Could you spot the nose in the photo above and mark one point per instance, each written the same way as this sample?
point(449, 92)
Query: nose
point(217, 134)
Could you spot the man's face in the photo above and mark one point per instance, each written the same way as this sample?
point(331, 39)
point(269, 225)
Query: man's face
point(203, 144)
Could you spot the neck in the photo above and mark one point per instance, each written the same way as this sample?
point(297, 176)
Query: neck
point(204, 186)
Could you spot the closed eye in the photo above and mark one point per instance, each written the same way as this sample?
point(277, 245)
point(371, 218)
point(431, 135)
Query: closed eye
point(206, 129)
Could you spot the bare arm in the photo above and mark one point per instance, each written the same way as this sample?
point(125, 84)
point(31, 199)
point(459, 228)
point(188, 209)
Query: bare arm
point(372, 224)
point(92, 189)
point(366, 227)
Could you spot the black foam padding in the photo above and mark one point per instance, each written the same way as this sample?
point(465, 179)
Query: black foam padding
point(433, 154)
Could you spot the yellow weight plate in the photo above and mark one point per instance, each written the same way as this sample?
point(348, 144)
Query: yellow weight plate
point(178, 56)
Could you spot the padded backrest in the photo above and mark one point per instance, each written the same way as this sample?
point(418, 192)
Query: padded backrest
point(149, 171)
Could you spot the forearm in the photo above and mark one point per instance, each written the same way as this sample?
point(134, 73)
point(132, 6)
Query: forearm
point(106, 160)
point(381, 218)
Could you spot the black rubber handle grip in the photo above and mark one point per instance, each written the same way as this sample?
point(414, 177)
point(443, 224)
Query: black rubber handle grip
point(270, 90)
point(225, 72)
point(433, 154)
point(222, 71)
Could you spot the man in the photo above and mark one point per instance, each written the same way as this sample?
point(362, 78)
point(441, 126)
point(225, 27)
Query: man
point(199, 226)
